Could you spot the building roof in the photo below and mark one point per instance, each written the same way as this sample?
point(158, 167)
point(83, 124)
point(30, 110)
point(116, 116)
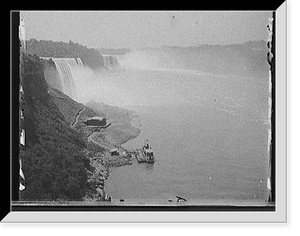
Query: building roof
point(113, 150)
point(96, 118)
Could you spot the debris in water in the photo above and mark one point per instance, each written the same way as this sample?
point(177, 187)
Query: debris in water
point(181, 199)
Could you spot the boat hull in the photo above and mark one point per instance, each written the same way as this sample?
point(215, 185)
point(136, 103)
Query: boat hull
point(141, 158)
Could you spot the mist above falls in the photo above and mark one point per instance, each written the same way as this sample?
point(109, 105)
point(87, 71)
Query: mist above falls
point(169, 75)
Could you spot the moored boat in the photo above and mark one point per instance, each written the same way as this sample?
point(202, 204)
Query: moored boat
point(144, 154)
point(148, 155)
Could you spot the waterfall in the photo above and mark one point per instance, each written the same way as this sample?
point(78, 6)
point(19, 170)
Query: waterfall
point(79, 62)
point(110, 61)
point(106, 61)
point(71, 76)
point(66, 69)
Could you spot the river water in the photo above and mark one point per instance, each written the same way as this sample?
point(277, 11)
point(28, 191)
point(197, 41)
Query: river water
point(209, 134)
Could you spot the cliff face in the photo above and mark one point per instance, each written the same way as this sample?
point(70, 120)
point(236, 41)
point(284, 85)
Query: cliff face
point(58, 161)
point(53, 160)
point(51, 75)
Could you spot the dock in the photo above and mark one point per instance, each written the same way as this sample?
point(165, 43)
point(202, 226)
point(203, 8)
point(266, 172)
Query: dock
point(139, 157)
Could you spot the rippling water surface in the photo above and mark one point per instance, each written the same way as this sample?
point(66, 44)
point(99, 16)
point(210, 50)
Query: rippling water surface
point(209, 134)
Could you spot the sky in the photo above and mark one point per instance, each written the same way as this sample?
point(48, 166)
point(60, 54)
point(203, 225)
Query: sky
point(136, 29)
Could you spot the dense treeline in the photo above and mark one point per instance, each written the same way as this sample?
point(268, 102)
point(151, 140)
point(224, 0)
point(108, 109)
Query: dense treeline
point(113, 51)
point(54, 163)
point(47, 48)
point(249, 58)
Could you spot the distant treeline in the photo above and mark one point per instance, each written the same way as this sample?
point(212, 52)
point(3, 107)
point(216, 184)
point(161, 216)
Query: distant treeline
point(47, 48)
point(249, 58)
point(112, 51)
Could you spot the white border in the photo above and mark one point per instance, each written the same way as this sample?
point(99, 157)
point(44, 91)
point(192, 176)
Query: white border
point(143, 217)
point(281, 110)
point(279, 216)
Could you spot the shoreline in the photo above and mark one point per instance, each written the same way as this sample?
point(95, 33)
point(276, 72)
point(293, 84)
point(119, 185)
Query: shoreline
point(102, 160)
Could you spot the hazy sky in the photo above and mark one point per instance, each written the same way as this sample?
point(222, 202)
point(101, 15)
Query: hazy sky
point(147, 29)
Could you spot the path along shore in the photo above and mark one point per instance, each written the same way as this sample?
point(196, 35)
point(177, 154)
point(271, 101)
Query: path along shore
point(102, 161)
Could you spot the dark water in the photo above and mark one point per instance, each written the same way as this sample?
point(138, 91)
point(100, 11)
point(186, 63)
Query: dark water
point(209, 135)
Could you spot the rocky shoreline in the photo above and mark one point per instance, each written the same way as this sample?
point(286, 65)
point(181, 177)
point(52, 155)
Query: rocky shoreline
point(101, 164)
point(101, 159)
point(100, 140)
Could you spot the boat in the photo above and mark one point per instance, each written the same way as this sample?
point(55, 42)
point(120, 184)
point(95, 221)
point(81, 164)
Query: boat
point(144, 155)
point(148, 155)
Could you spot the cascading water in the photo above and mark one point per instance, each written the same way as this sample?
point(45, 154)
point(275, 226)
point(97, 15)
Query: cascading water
point(74, 79)
point(66, 67)
point(110, 61)
point(79, 62)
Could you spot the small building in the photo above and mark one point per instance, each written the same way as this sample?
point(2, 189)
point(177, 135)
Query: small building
point(95, 121)
point(114, 152)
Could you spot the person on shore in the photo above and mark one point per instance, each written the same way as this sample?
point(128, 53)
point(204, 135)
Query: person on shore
point(147, 145)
